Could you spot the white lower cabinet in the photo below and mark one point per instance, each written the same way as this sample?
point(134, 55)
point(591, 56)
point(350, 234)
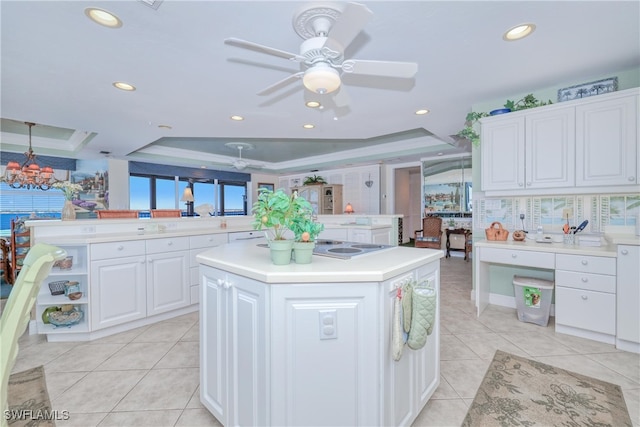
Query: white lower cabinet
point(118, 283)
point(199, 244)
point(585, 301)
point(167, 281)
point(628, 298)
point(291, 354)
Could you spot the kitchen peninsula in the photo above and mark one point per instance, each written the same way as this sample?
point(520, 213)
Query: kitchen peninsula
point(311, 343)
point(135, 272)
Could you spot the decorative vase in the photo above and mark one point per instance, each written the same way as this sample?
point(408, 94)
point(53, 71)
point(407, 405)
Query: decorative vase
point(303, 251)
point(68, 211)
point(280, 251)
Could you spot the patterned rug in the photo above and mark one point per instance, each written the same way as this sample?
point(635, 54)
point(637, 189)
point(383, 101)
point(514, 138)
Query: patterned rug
point(520, 392)
point(29, 403)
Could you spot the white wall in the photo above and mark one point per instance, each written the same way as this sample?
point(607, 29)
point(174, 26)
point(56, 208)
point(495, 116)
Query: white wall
point(118, 184)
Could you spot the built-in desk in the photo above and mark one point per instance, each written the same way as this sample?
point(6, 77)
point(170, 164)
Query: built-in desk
point(585, 282)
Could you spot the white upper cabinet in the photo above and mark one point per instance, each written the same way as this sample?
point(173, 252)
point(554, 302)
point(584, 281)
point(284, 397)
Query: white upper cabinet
point(578, 146)
point(607, 138)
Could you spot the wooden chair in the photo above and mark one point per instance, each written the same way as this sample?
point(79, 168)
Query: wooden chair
point(430, 236)
point(166, 213)
point(468, 245)
point(111, 214)
point(17, 312)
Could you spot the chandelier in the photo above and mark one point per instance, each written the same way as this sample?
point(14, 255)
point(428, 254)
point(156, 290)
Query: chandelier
point(29, 175)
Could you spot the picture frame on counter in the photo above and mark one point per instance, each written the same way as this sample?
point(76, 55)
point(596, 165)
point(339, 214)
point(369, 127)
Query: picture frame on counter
point(584, 90)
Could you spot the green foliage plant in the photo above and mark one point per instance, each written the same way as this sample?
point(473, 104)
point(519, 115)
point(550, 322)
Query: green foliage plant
point(305, 228)
point(529, 101)
point(315, 179)
point(469, 131)
point(278, 211)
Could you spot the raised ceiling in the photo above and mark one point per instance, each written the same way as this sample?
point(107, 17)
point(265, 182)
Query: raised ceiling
point(58, 68)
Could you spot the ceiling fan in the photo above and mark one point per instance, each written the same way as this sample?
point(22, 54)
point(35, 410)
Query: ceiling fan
point(328, 30)
point(240, 163)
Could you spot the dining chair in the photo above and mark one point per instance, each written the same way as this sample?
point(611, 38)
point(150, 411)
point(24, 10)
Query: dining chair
point(166, 213)
point(110, 214)
point(17, 312)
point(430, 236)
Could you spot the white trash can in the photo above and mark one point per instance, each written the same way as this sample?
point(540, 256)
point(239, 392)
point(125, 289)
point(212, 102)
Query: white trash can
point(533, 299)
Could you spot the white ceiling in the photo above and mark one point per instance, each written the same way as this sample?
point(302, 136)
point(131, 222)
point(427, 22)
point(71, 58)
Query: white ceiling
point(58, 68)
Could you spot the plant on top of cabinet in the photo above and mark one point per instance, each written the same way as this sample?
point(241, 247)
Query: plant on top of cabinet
point(529, 101)
point(469, 132)
point(315, 179)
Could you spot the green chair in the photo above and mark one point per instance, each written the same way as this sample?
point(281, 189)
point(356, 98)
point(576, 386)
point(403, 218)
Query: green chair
point(17, 312)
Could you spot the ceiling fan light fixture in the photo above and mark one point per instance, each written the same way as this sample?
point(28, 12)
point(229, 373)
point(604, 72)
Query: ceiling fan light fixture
point(321, 79)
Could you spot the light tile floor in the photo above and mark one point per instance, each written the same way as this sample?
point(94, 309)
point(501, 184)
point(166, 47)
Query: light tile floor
point(149, 376)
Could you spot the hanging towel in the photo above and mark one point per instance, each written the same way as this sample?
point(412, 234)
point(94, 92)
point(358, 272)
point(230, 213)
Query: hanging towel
point(396, 329)
point(423, 316)
point(407, 300)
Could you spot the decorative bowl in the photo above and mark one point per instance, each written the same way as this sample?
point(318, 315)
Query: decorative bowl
point(65, 318)
point(75, 295)
point(499, 111)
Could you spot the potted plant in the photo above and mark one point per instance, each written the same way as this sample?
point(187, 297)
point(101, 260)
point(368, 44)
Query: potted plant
point(306, 231)
point(276, 211)
point(452, 224)
point(314, 180)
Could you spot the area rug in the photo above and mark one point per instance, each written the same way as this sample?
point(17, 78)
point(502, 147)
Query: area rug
point(29, 403)
point(520, 392)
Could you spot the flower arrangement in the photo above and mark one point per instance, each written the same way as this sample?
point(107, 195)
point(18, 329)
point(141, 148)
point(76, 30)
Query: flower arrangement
point(68, 188)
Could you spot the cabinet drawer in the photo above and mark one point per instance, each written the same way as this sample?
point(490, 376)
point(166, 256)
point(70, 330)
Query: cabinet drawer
point(586, 281)
point(588, 310)
point(587, 264)
point(208, 240)
point(518, 257)
point(169, 244)
point(117, 249)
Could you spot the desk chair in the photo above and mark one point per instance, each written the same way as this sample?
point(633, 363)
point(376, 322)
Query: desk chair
point(431, 234)
point(17, 312)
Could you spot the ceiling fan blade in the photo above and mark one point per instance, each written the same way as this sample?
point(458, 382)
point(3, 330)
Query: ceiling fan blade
point(263, 49)
point(281, 83)
point(404, 70)
point(348, 25)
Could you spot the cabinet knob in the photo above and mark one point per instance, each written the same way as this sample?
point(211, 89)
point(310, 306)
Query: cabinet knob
point(170, 243)
point(120, 247)
point(227, 285)
point(631, 178)
point(220, 282)
point(585, 280)
point(584, 297)
point(514, 255)
point(519, 184)
point(624, 252)
point(150, 260)
point(585, 262)
point(210, 239)
point(528, 184)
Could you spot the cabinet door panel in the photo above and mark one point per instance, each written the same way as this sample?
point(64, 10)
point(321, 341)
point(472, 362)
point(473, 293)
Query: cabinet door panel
point(502, 154)
point(167, 282)
point(606, 135)
point(550, 149)
point(588, 310)
point(628, 293)
point(118, 291)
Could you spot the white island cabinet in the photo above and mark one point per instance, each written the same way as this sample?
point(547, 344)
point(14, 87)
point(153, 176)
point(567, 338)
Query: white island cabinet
point(628, 298)
point(311, 344)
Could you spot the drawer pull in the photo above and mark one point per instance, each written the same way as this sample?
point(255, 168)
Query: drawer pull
point(624, 252)
point(584, 297)
point(170, 243)
point(120, 247)
point(585, 280)
point(210, 239)
point(514, 255)
point(585, 262)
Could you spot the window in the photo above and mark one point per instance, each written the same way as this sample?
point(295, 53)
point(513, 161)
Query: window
point(18, 202)
point(234, 198)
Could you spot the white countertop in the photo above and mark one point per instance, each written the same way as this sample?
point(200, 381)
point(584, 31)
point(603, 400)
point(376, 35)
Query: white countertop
point(622, 239)
point(249, 260)
point(559, 248)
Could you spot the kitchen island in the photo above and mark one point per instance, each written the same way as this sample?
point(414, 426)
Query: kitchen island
point(311, 343)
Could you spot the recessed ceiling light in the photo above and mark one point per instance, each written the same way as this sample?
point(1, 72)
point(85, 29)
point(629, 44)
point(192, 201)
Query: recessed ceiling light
point(518, 32)
point(237, 118)
point(165, 127)
point(102, 17)
point(421, 112)
point(312, 104)
point(308, 126)
point(124, 86)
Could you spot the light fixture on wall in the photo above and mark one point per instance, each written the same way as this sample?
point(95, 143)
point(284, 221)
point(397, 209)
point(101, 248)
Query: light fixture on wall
point(187, 197)
point(348, 209)
point(29, 175)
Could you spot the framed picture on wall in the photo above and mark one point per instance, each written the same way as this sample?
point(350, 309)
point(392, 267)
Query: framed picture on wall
point(265, 185)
